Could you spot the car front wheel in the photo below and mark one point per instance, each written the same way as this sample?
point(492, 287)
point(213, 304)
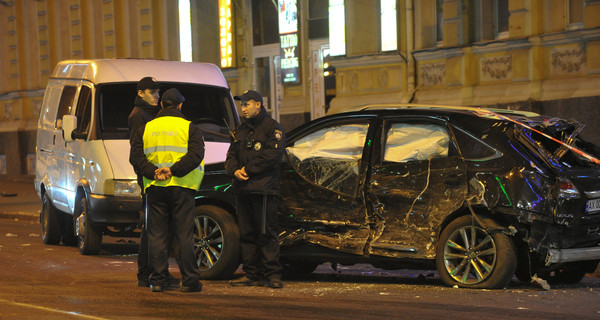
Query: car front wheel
point(216, 242)
point(472, 256)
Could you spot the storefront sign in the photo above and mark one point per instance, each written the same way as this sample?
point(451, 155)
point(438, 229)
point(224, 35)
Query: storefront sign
point(288, 37)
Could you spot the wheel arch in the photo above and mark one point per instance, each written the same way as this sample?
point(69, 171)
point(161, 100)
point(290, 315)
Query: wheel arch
point(217, 203)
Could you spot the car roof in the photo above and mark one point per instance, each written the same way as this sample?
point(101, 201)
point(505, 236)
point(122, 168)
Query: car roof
point(100, 71)
point(479, 111)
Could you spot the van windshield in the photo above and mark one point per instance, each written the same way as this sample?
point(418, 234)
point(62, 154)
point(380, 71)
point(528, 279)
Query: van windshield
point(206, 106)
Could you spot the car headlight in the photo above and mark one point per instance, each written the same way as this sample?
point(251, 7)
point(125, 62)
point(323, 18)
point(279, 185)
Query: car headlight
point(127, 189)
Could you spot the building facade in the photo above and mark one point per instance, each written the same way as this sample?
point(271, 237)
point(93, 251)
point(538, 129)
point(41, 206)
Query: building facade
point(536, 55)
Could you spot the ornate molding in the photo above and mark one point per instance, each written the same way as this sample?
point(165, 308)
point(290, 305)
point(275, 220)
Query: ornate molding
point(432, 74)
point(496, 68)
point(568, 60)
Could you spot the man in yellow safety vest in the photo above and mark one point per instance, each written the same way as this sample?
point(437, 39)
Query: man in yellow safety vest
point(169, 151)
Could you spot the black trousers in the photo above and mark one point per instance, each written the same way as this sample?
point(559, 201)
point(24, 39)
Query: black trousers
point(171, 208)
point(143, 273)
point(259, 237)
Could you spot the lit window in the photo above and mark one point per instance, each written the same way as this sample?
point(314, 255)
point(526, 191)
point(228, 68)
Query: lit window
point(389, 38)
point(337, 28)
point(185, 31)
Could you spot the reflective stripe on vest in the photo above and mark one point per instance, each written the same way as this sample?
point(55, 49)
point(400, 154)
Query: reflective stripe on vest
point(165, 142)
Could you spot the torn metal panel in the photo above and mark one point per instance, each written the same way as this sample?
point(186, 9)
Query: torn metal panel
point(415, 198)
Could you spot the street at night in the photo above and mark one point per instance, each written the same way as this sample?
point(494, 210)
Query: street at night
point(56, 282)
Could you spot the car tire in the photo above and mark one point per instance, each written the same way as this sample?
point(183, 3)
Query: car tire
point(88, 238)
point(471, 256)
point(50, 222)
point(216, 242)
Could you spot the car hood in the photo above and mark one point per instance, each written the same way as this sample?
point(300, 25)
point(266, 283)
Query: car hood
point(118, 157)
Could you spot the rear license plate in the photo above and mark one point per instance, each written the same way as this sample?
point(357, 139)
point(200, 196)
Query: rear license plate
point(592, 206)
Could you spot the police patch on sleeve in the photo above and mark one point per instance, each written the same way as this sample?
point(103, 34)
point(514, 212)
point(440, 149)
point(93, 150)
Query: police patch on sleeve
point(278, 135)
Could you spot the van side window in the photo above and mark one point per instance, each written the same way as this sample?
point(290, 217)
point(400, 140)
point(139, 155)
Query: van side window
point(65, 105)
point(84, 109)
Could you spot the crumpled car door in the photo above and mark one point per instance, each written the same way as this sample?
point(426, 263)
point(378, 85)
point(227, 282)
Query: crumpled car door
point(418, 181)
point(320, 182)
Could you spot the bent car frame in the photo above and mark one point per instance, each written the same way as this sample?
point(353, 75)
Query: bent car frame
point(480, 194)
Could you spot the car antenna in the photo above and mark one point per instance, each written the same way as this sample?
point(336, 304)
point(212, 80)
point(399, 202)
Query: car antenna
point(231, 132)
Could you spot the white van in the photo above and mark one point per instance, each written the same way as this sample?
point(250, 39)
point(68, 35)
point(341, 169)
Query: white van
point(83, 176)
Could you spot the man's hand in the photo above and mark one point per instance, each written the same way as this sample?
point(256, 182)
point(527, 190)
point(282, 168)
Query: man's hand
point(241, 174)
point(163, 173)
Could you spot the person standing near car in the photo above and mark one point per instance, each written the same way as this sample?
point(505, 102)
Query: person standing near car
point(145, 109)
point(169, 153)
point(253, 160)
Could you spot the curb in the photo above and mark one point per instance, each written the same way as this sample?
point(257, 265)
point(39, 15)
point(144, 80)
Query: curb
point(20, 216)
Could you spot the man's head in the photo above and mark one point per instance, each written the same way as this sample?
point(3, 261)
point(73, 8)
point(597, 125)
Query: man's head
point(172, 99)
point(251, 102)
point(148, 90)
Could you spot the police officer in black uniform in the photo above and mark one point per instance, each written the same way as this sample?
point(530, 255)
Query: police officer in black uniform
point(253, 160)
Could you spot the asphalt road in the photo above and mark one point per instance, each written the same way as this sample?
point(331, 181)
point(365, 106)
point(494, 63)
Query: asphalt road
point(56, 282)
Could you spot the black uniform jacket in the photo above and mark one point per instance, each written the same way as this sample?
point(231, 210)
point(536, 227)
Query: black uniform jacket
point(142, 112)
point(259, 146)
point(185, 165)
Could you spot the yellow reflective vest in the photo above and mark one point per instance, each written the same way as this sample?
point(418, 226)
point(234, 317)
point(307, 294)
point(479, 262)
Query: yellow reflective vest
point(165, 142)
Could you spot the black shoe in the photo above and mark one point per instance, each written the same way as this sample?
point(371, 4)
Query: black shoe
point(244, 281)
point(274, 283)
point(156, 288)
point(143, 283)
point(172, 282)
point(196, 288)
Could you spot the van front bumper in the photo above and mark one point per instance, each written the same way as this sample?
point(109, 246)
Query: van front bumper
point(111, 210)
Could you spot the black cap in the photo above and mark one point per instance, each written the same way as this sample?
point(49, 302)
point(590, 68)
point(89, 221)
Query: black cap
point(147, 83)
point(250, 95)
point(172, 97)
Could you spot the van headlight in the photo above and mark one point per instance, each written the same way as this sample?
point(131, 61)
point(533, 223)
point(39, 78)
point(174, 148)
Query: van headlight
point(127, 188)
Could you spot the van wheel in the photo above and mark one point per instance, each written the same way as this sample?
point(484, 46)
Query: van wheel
point(68, 236)
point(216, 242)
point(470, 256)
point(49, 221)
point(88, 238)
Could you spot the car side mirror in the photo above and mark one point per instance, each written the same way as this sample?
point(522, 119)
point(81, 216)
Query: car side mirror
point(69, 124)
point(70, 131)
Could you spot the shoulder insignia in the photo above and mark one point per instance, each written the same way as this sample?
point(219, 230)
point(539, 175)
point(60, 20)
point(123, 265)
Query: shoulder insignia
point(278, 135)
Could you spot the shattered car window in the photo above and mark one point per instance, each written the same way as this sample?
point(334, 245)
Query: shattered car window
point(410, 142)
point(472, 148)
point(330, 157)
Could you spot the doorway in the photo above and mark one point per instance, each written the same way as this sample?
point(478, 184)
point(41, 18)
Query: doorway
point(267, 77)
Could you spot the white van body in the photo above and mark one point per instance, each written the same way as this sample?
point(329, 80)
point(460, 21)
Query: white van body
point(83, 175)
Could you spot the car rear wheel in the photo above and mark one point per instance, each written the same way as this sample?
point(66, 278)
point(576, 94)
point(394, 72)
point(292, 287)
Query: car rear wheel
point(88, 238)
point(471, 256)
point(216, 242)
point(50, 222)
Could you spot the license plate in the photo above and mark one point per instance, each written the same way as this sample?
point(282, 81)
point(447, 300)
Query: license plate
point(592, 205)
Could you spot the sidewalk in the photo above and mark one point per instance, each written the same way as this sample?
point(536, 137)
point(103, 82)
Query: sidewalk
point(19, 200)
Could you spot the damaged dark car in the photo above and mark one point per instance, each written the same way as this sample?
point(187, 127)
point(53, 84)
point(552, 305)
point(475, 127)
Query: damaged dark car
point(481, 195)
